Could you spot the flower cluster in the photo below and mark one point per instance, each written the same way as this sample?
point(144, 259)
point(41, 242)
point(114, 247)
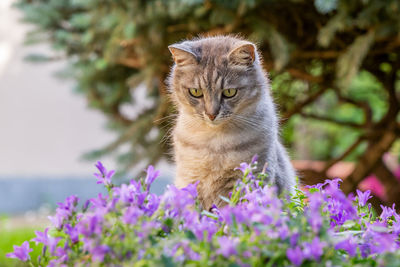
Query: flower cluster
point(130, 226)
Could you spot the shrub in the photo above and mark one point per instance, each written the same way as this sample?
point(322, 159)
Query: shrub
point(131, 226)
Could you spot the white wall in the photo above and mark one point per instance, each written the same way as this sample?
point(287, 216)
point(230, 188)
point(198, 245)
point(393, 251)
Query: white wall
point(44, 126)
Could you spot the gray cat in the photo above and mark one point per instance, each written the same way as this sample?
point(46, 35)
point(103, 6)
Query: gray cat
point(226, 115)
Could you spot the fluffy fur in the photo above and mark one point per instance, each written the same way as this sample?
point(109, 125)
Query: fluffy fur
point(214, 134)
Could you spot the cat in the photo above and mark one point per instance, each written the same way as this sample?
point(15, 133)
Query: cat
point(225, 116)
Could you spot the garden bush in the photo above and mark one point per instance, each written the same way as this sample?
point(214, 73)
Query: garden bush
point(333, 65)
point(130, 226)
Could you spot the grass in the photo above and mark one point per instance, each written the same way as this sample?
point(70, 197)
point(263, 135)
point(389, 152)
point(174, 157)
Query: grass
point(9, 236)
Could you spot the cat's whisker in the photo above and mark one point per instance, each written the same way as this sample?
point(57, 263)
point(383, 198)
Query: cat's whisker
point(248, 122)
point(167, 136)
point(255, 123)
point(165, 118)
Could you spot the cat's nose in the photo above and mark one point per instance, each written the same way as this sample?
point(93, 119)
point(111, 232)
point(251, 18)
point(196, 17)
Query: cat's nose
point(211, 116)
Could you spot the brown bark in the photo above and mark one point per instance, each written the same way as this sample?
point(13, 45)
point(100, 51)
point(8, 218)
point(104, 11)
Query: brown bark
point(371, 157)
point(390, 182)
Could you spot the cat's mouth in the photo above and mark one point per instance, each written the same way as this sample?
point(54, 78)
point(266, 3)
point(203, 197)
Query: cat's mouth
point(213, 122)
point(218, 120)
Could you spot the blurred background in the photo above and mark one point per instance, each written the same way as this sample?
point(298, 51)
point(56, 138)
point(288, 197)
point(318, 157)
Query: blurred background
point(83, 80)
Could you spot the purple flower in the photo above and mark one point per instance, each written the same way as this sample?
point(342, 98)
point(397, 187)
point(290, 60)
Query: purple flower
point(396, 224)
point(295, 255)
point(64, 211)
point(283, 231)
point(130, 193)
point(131, 215)
point(86, 205)
point(146, 228)
point(334, 183)
point(72, 232)
point(214, 209)
point(254, 160)
point(87, 244)
point(226, 215)
point(101, 168)
point(99, 252)
point(153, 201)
point(365, 249)
point(104, 177)
point(201, 228)
point(244, 167)
point(57, 221)
point(387, 212)
point(68, 206)
point(376, 239)
point(338, 205)
point(187, 251)
point(347, 245)
point(294, 239)
point(317, 186)
point(99, 201)
point(363, 197)
point(227, 246)
point(192, 189)
point(62, 254)
point(46, 240)
point(41, 237)
point(125, 193)
point(247, 168)
point(177, 200)
point(263, 219)
point(152, 174)
point(90, 225)
point(314, 250)
point(313, 211)
point(21, 253)
point(58, 262)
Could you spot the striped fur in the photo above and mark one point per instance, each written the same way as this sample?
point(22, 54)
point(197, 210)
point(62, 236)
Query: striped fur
point(245, 124)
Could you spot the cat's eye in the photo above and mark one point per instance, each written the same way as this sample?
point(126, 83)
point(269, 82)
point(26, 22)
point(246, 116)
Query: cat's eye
point(196, 92)
point(229, 92)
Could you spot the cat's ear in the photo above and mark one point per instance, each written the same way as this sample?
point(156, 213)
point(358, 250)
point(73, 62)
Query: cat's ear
point(243, 55)
point(182, 55)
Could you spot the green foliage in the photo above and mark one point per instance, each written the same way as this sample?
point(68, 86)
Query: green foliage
point(10, 237)
point(314, 51)
point(349, 63)
point(130, 226)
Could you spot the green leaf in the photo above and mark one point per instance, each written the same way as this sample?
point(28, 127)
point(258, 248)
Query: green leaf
point(225, 199)
point(81, 20)
point(279, 48)
point(335, 24)
point(167, 261)
point(130, 30)
point(348, 63)
point(190, 235)
point(209, 214)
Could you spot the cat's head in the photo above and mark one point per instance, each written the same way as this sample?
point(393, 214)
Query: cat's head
point(216, 78)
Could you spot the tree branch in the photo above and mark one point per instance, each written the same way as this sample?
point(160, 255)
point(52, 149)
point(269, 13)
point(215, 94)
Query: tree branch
point(369, 159)
point(299, 74)
point(360, 104)
point(297, 108)
point(130, 62)
point(327, 54)
point(332, 120)
point(345, 154)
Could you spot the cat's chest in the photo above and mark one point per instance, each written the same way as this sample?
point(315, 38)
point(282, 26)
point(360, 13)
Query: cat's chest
point(215, 144)
point(210, 156)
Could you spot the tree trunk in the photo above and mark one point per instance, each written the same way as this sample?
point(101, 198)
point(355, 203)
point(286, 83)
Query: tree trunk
point(370, 158)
